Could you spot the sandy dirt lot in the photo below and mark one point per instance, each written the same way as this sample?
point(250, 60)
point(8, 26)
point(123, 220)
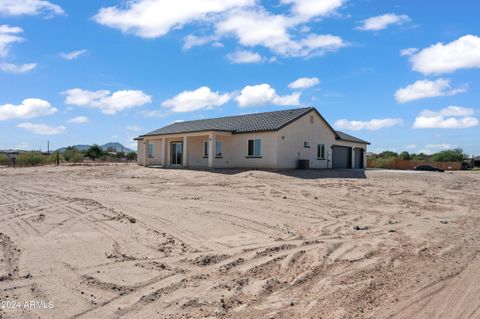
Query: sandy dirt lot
point(132, 242)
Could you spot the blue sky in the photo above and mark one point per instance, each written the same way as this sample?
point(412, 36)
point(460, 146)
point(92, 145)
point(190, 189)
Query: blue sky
point(404, 75)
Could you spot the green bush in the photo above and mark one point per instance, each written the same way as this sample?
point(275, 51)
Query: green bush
point(455, 155)
point(384, 162)
point(73, 155)
point(4, 160)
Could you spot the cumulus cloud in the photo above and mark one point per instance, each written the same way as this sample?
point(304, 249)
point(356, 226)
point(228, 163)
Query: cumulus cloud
point(29, 108)
point(382, 21)
point(371, 125)
point(440, 146)
point(201, 98)
point(8, 36)
point(425, 88)
point(155, 18)
point(463, 53)
point(244, 57)
point(262, 94)
point(28, 7)
point(78, 120)
point(261, 28)
point(73, 54)
point(304, 83)
point(246, 20)
point(14, 68)
point(449, 117)
point(107, 102)
point(42, 129)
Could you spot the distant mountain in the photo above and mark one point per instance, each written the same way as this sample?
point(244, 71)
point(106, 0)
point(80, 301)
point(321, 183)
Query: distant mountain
point(112, 147)
point(115, 147)
point(79, 147)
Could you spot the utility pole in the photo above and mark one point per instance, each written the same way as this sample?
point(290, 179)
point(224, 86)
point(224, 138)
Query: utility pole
point(48, 147)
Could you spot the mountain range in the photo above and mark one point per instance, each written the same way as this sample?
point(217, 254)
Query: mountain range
point(112, 146)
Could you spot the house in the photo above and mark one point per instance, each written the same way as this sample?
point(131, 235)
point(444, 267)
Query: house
point(276, 140)
point(476, 161)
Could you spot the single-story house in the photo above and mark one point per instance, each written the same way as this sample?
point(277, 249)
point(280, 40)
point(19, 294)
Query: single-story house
point(274, 140)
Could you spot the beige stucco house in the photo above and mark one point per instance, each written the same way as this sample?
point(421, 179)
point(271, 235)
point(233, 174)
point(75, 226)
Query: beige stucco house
point(276, 140)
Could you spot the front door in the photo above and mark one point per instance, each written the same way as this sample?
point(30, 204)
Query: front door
point(176, 153)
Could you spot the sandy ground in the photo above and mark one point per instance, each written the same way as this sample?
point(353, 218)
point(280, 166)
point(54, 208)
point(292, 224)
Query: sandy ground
point(132, 242)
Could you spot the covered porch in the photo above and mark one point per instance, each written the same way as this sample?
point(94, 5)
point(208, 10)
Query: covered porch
point(195, 150)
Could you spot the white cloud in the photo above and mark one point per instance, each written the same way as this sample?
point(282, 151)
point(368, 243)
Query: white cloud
point(304, 83)
point(8, 35)
point(425, 88)
point(42, 129)
point(155, 18)
point(246, 20)
point(411, 146)
point(28, 7)
point(408, 51)
point(133, 128)
point(449, 117)
point(307, 9)
point(383, 21)
point(463, 53)
point(72, 55)
point(372, 125)
point(243, 57)
point(188, 101)
point(257, 27)
point(14, 68)
point(29, 108)
point(79, 120)
point(107, 102)
point(262, 94)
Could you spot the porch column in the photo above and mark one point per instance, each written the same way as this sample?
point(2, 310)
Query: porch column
point(211, 149)
point(145, 152)
point(185, 151)
point(164, 152)
point(353, 157)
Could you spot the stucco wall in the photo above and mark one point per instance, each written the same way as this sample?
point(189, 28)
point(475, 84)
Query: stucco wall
point(291, 140)
point(280, 149)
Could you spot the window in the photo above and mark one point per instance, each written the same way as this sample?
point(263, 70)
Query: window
point(321, 151)
point(255, 148)
point(218, 149)
point(150, 150)
point(205, 149)
point(306, 144)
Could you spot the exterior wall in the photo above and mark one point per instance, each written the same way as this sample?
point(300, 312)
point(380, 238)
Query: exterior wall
point(279, 149)
point(291, 140)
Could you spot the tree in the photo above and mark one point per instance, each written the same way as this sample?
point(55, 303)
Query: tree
point(71, 154)
point(94, 152)
point(388, 154)
point(120, 155)
point(131, 156)
point(455, 155)
point(404, 156)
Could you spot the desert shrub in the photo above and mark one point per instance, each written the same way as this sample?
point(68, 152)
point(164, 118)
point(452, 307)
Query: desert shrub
point(73, 155)
point(384, 162)
point(131, 156)
point(4, 160)
point(31, 158)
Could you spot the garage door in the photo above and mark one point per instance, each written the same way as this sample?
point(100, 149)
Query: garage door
point(342, 157)
point(358, 158)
